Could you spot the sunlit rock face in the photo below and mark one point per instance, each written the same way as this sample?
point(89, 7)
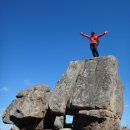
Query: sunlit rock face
point(29, 108)
point(90, 90)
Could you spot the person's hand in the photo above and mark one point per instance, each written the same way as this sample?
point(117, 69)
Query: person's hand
point(81, 33)
point(106, 32)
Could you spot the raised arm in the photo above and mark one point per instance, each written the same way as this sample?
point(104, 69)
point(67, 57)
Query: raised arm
point(85, 35)
point(102, 34)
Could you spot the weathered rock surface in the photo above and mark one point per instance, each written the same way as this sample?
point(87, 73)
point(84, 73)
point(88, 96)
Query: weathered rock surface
point(59, 122)
point(98, 86)
point(64, 88)
point(30, 107)
point(90, 90)
point(94, 86)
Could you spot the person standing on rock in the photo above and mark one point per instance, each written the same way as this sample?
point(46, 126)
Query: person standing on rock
point(94, 41)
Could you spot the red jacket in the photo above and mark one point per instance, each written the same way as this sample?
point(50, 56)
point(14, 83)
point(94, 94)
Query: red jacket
point(93, 39)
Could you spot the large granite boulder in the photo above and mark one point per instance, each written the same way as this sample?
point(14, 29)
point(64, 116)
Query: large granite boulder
point(90, 90)
point(98, 96)
point(98, 86)
point(92, 85)
point(29, 109)
point(64, 88)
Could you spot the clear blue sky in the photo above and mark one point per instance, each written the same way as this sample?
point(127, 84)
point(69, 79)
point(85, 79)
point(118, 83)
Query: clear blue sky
point(38, 39)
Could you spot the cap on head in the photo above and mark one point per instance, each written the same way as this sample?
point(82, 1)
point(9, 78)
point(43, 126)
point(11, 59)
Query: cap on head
point(92, 33)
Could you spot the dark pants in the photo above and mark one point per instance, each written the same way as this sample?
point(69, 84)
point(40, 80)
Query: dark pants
point(94, 50)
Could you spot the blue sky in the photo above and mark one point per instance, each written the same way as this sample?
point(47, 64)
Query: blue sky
point(38, 39)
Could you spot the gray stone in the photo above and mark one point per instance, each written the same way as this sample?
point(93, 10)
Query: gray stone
point(119, 98)
point(38, 87)
point(59, 122)
point(98, 86)
point(30, 106)
point(97, 113)
point(64, 88)
point(94, 87)
point(10, 109)
point(90, 90)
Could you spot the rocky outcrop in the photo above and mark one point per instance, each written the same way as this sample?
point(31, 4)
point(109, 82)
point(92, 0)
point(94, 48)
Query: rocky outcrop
point(64, 88)
point(29, 109)
point(90, 90)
